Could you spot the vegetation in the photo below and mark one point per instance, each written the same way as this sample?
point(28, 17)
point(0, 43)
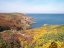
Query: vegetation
point(33, 38)
point(47, 36)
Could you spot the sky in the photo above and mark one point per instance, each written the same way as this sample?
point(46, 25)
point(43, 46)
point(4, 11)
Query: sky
point(32, 6)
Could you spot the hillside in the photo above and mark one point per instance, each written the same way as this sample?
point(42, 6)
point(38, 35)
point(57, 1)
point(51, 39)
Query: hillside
point(42, 37)
point(14, 21)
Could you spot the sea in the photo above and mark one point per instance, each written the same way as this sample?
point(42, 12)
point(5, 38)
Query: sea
point(42, 19)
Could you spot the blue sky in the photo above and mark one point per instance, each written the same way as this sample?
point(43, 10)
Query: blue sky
point(32, 6)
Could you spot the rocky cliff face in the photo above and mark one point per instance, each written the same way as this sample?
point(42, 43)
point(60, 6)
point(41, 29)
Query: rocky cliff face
point(15, 21)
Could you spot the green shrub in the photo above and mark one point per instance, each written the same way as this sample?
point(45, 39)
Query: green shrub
point(59, 36)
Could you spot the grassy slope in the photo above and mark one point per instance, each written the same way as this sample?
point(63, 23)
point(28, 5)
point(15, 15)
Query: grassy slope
point(38, 37)
point(47, 34)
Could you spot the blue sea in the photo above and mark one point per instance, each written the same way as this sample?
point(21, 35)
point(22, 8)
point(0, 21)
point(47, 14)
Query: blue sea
point(42, 19)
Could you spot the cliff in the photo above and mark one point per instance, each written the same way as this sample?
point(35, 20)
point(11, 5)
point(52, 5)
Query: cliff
point(15, 21)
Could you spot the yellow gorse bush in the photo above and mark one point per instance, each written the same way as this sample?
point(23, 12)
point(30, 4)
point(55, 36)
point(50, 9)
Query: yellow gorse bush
point(43, 36)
